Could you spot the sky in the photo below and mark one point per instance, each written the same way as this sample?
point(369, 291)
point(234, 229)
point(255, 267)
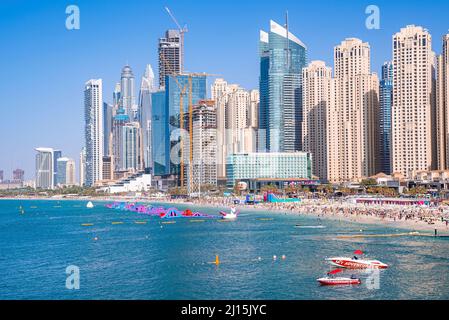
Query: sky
point(44, 66)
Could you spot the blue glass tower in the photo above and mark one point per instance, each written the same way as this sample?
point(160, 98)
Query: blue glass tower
point(385, 101)
point(282, 57)
point(159, 134)
point(191, 88)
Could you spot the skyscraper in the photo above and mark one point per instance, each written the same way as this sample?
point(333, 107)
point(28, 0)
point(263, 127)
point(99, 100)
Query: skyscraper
point(66, 172)
point(82, 171)
point(107, 126)
point(169, 56)
point(44, 168)
point(317, 97)
point(202, 171)
point(353, 143)
point(120, 120)
point(93, 115)
point(181, 90)
point(127, 92)
point(385, 100)
point(412, 108)
point(131, 158)
point(160, 134)
point(56, 155)
point(147, 87)
point(282, 57)
point(442, 100)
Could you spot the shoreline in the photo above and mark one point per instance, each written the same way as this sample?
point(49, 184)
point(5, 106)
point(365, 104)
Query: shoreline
point(321, 210)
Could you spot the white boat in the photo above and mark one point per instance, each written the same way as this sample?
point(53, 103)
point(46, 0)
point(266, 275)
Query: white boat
point(353, 263)
point(328, 281)
point(229, 216)
point(90, 205)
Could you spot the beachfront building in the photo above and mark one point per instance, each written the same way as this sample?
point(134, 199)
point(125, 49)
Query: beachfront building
point(94, 134)
point(385, 99)
point(17, 175)
point(442, 104)
point(44, 168)
point(107, 127)
point(260, 168)
point(413, 116)
point(201, 166)
point(66, 172)
point(170, 53)
point(353, 125)
point(317, 97)
point(120, 120)
point(82, 171)
point(282, 57)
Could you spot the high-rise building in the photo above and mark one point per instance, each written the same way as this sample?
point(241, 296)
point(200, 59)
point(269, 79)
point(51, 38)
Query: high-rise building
point(131, 158)
point(253, 111)
point(147, 87)
point(202, 169)
point(56, 155)
point(282, 57)
point(442, 106)
point(127, 92)
point(181, 90)
point(385, 100)
point(353, 142)
point(108, 172)
point(413, 118)
point(120, 120)
point(82, 171)
point(219, 93)
point(236, 117)
point(1, 176)
point(107, 126)
point(317, 97)
point(17, 175)
point(66, 172)
point(169, 56)
point(44, 168)
point(160, 134)
point(93, 115)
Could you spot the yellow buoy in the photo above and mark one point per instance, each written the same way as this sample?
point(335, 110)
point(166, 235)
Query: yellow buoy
point(117, 222)
point(87, 224)
point(140, 222)
point(217, 260)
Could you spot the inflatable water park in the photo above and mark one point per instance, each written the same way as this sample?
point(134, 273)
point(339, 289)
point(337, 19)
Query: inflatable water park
point(161, 212)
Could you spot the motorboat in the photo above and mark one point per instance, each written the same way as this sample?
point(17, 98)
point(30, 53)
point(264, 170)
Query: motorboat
point(330, 280)
point(229, 216)
point(356, 263)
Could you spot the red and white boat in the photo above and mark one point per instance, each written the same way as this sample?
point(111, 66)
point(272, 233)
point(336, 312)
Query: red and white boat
point(356, 263)
point(334, 281)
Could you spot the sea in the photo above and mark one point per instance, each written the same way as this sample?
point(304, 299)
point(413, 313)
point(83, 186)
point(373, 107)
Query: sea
point(51, 249)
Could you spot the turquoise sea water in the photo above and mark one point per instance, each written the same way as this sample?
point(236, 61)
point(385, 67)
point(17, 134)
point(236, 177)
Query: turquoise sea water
point(171, 261)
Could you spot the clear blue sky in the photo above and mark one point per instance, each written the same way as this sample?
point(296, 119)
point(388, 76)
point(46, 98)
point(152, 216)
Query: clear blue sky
point(44, 66)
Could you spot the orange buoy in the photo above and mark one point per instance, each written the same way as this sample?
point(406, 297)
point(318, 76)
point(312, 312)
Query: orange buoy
point(217, 260)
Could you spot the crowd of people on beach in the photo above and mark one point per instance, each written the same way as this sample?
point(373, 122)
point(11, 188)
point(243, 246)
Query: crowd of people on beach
point(341, 208)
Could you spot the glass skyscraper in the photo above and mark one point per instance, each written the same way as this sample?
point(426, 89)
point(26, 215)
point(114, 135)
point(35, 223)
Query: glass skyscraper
point(159, 134)
point(191, 88)
point(282, 57)
point(385, 101)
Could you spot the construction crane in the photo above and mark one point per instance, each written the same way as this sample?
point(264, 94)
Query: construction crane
point(185, 90)
point(182, 31)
